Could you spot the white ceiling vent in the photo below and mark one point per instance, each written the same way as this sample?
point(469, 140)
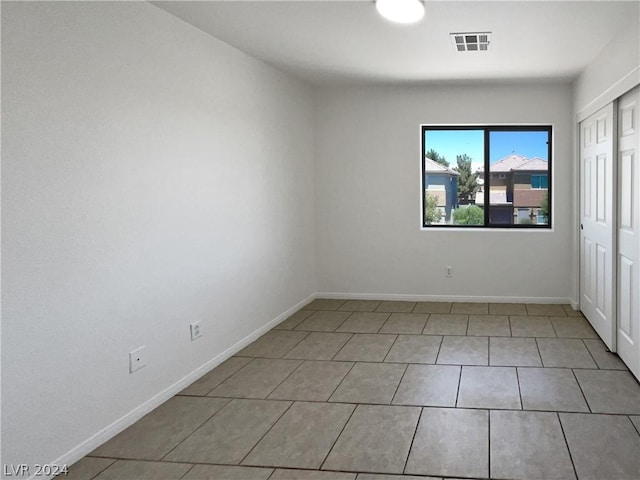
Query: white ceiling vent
point(471, 41)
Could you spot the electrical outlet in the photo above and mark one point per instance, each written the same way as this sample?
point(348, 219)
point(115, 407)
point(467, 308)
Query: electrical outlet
point(196, 330)
point(449, 273)
point(137, 359)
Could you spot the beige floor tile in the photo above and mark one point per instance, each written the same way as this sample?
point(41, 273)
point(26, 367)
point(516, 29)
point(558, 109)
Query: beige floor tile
point(256, 380)
point(572, 327)
point(514, 352)
point(507, 309)
point(610, 391)
point(544, 309)
point(294, 320)
point(140, 470)
point(451, 442)
point(360, 305)
point(231, 434)
point(531, 326)
point(323, 321)
point(406, 323)
point(313, 381)
point(86, 468)
point(550, 389)
point(303, 436)
point(446, 324)
point(155, 434)
point(603, 356)
point(215, 377)
point(273, 344)
point(464, 351)
point(370, 383)
point(489, 326)
point(363, 322)
point(325, 304)
point(396, 307)
point(319, 346)
point(489, 387)
point(470, 308)
point(376, 439)
point(428, 385)
point(223, 472)
point(602, 446)
point(364, 347)
point(311, 475)
point(568, 309)
point(528, 445)
point(564, 352)
point(414, 349)
point(432, 307)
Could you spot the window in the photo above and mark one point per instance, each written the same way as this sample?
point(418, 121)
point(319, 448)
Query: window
point(489, 176)
point(539, 181)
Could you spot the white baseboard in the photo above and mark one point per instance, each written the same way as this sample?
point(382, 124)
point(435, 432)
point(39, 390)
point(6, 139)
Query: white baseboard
point(443, 298)
point(154, 402)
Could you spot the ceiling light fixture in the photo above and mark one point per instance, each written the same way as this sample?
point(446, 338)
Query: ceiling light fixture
point(401, 11)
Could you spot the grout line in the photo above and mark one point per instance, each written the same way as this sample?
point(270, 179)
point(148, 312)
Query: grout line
point(637, 428)
point(390, 348)
point(519, 390)
point(406, 367)
point(435, 361)
point(226, 379)
point(188, 470)
point(343, 345)
point(458, 387)
point(540, 353)
point(199, 427)
point(285, 378)
point(291, 404)
point(294, 346)
point(415, 431)
point(324, 460)
point(581, 391)
point(591, 355)
point(341, 382)
point(575, 472)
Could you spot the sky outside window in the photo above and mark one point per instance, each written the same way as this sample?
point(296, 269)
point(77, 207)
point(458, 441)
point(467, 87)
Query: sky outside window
point(529, 144)
point(450, 143)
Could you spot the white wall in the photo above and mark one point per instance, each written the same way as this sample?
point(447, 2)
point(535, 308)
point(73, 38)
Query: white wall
point(368, 187)
point(152, 176)
point(613, 72)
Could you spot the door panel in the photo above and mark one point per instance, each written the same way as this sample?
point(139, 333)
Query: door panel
point(628, 332)
point(597, 256)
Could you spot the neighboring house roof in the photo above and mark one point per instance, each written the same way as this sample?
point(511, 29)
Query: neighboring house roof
point(431, 166)
point(515, 162)
point(533, 165)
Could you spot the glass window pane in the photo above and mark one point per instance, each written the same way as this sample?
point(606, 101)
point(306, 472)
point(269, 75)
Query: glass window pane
point(519, 176)
point(452, 160)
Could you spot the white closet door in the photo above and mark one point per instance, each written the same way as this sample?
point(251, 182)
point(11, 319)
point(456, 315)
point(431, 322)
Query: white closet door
point(597, 223)
point(628, 334)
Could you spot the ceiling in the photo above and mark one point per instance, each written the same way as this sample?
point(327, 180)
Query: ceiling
point(335, 41)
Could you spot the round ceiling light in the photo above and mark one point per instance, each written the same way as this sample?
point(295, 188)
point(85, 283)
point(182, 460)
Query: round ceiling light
point(401, 11)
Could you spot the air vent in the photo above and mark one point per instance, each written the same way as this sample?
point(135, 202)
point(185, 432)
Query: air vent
point(471, 41)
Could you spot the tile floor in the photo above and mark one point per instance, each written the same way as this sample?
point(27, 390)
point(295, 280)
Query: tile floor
point(373, 390)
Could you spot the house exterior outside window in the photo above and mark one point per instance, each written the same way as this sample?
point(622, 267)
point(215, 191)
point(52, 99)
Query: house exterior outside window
point(517, 194)
point(441, 182)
